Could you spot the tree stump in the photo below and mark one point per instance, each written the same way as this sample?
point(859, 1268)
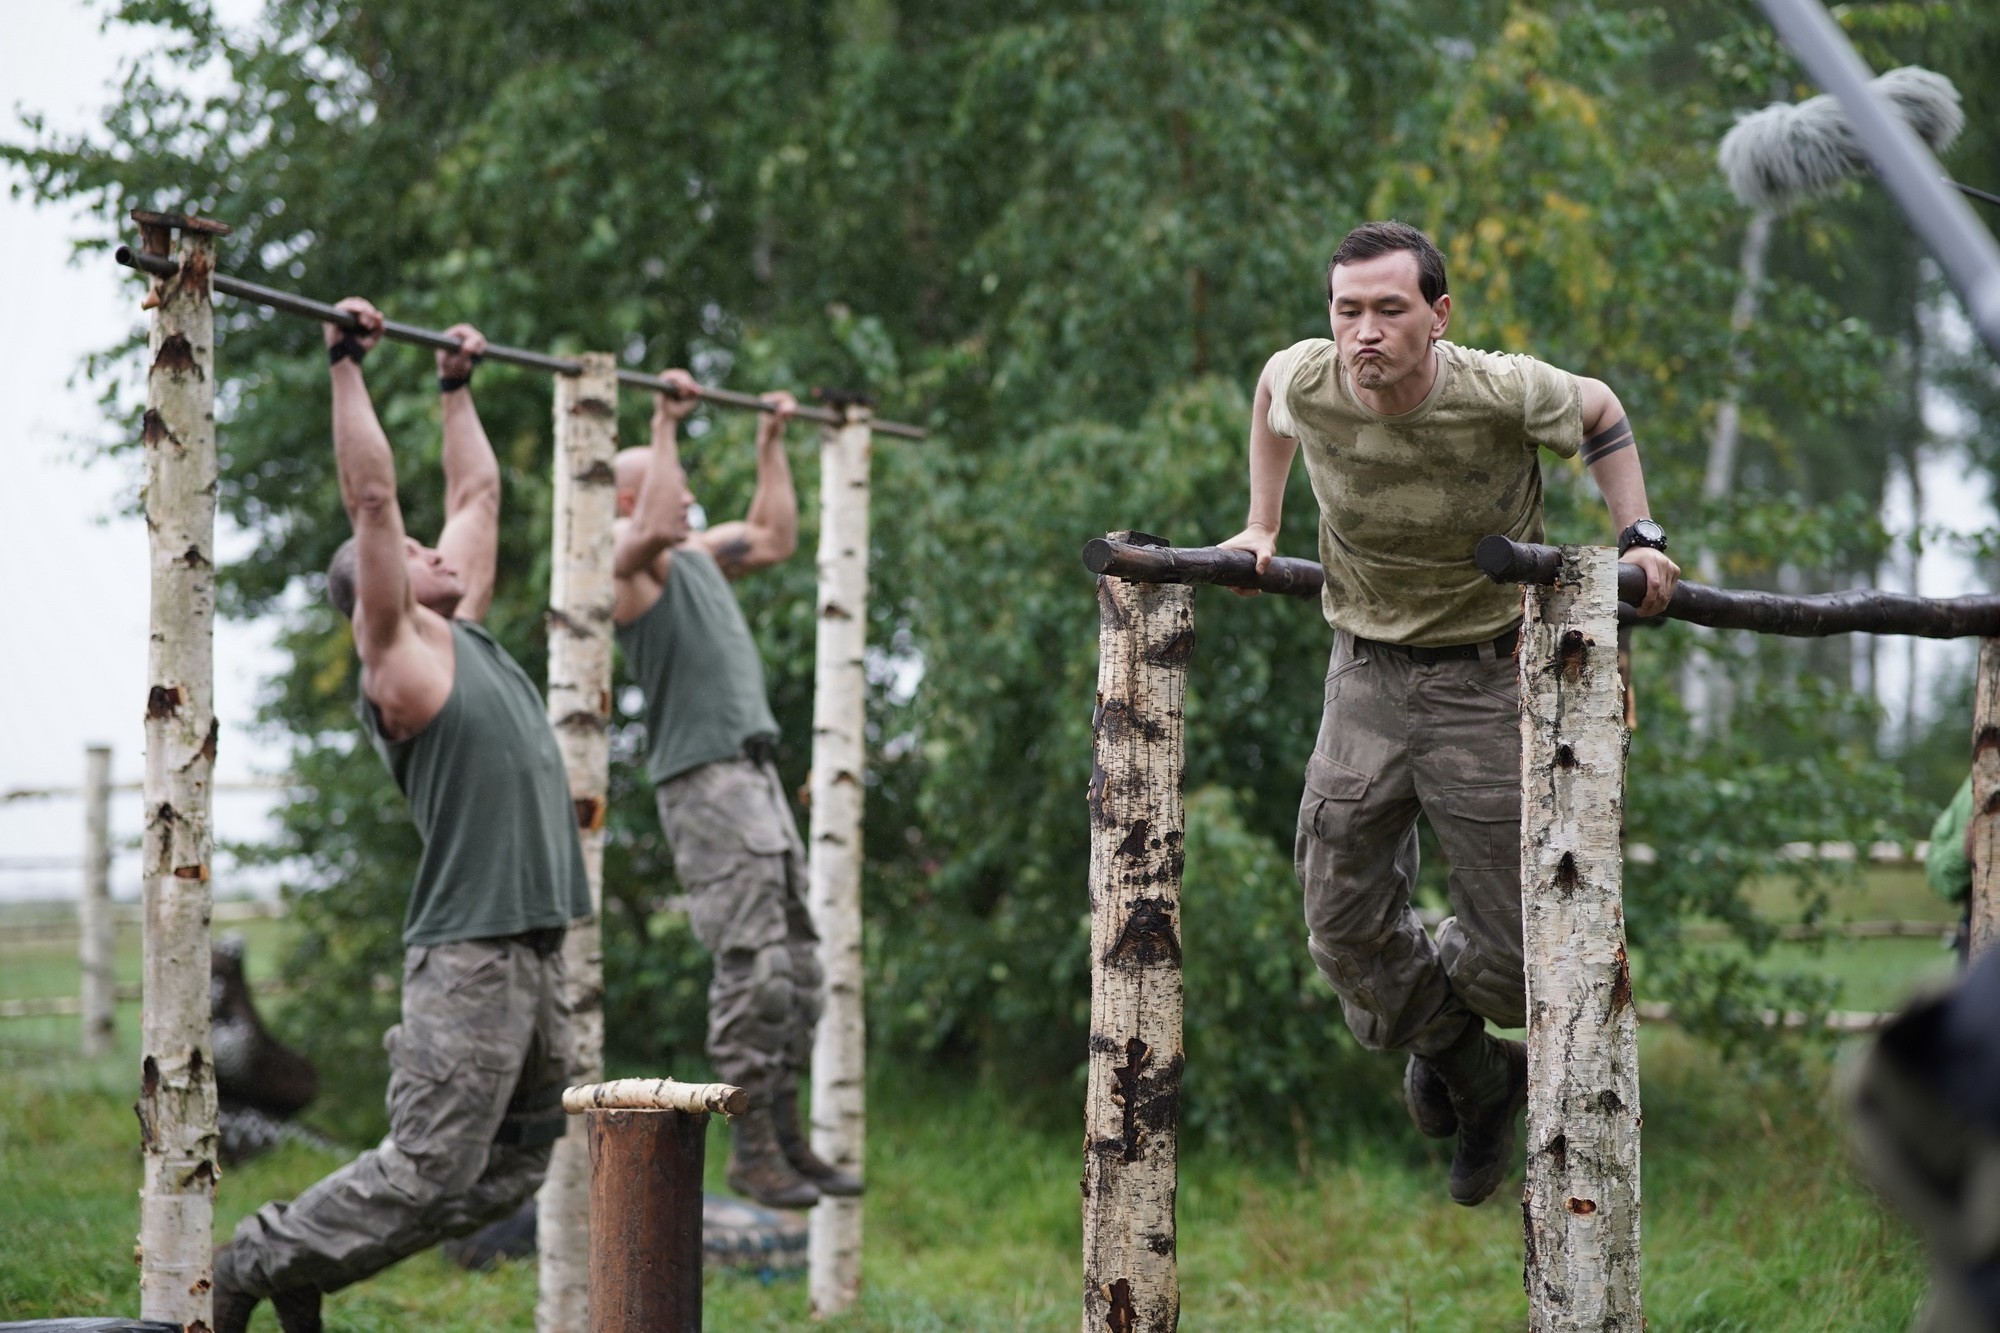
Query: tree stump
point(1580, 1209)
point(1132, 1101)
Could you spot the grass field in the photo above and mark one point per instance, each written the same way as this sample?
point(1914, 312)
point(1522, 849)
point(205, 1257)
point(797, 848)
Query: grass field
point(1754, 1219)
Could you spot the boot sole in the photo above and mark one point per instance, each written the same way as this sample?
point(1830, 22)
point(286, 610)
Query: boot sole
point(1432, 1116)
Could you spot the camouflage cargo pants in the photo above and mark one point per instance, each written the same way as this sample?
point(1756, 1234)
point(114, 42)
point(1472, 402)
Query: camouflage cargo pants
point(738, 854)
point(475, 1082)
point(1399, 737)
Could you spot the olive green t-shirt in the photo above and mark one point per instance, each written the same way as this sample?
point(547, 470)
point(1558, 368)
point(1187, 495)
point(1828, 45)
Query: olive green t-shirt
point(695, 661)
point(489, 794)
point(1404, 499)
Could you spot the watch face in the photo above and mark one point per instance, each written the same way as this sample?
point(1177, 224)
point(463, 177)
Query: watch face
point(1646, 530)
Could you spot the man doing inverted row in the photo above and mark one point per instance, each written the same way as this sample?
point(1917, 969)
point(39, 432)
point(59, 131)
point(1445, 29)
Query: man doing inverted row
point(476, 1067)
point(710, 736)
point(1416, 449)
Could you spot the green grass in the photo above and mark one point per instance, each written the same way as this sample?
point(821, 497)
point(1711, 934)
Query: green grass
point(1754, 1218)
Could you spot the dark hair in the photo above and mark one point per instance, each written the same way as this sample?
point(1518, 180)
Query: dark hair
point(1380, 238)
point(341, 573)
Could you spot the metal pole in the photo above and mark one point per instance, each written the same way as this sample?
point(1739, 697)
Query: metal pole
point(292, 304)
point(96, 927)
point(646, 1139)
point(645, 1196)
point(1962, 247)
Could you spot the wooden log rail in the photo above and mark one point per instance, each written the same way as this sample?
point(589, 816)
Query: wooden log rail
point(292, 304)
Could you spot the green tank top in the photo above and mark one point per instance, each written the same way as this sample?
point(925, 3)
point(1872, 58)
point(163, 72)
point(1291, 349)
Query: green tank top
point(694, 659)
point(488, 792)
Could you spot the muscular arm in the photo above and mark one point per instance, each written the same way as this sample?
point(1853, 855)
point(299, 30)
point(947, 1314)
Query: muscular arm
point(1612, 455)
point(401, 674)
point(1270, 466)
point(769, 533)
point(471, 536)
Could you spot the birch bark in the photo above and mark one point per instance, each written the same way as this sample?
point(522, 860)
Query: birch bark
point(96, 927)
point(1580, 1209)
point(580, 601)
point(1132, 1100)
point(1986, 799)
point(177, 1074)
point(839, 763)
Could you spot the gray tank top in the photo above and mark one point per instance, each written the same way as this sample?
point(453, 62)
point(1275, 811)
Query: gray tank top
point(694, 659)
point(488, 792)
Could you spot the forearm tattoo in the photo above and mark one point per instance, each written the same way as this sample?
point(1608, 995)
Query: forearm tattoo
point(1616, 436)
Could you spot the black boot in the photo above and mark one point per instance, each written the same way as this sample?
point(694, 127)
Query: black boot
point(297, 1310)
point(757, 1166)
point(791, 1137)
point(1488, 1082)
point(1428, 1100)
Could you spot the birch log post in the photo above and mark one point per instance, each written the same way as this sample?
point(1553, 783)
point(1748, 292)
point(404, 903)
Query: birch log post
point(579, 622)
point(1580, 1209)
point(1986, 799)
point(1132, 1100)
point(177, 1106)
point(97, 928)
point(839, 763)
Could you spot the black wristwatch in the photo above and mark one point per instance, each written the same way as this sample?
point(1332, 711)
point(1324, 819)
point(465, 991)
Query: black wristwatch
point(1643, 533)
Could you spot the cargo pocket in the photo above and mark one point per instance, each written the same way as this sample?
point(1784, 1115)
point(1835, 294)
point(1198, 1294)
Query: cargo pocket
point(1333, 793)
point(423, 1101)
point(1484, 825)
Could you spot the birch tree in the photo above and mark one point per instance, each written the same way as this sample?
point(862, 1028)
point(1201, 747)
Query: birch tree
point(1986, 799)
point(580, 602)
point(839, 763)
point(97, 928)
point(1581, 1204)
point(1132, 1100)
point(177, 1107)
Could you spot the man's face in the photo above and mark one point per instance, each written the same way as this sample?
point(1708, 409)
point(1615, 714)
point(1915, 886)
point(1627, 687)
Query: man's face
point(628, 493)
point(1381, 322)
point(433, 580)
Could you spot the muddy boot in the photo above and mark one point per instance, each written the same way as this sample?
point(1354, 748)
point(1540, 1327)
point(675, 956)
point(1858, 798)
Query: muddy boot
point(829, 1178)
point(1488, 1082)
point(1428, 1100)
point(757, 1166)
point(298, 1310)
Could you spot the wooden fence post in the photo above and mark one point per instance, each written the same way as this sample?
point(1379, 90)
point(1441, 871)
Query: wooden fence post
point(839, 764)
point(580, 601)
point(1580, 1210)
point(1132, 1100)
point(1986, 799)
point(177, 1107)
point(96, 926)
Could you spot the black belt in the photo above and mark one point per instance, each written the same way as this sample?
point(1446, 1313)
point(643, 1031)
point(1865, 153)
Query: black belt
point(761, 749)
point(1503, 646)
point(544, 942)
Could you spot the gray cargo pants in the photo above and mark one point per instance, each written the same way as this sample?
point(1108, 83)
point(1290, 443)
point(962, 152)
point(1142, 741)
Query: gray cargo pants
point(738, 854)
point(1399, 737)
point(476, 1059)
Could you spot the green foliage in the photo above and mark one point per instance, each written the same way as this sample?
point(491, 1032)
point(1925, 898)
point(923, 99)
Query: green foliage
point(1064, 238)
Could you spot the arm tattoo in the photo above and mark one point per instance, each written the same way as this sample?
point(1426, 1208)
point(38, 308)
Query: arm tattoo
point(733, 555)
point(1616, 436)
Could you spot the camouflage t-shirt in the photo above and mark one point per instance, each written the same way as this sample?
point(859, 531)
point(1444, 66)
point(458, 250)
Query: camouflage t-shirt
point(1404, 499)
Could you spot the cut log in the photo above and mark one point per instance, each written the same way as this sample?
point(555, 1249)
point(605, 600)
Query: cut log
point(177, 1109)
point(580, 601)
point(839, 767)
point(1132, 1098)
point(1580, 1208)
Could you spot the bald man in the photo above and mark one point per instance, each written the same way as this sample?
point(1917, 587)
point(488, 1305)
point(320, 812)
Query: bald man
point(709, 741)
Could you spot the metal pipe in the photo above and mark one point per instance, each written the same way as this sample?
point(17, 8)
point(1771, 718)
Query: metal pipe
point(514, 356)
point(1963, 248)
point(645, 1209)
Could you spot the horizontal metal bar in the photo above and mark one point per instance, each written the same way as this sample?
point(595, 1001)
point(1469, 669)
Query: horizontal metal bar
point(1855, 611)
point(293, 304)
point(1144, 563)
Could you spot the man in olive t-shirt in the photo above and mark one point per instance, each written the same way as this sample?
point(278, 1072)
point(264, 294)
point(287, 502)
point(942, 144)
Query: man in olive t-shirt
point(709, 739)
point(477, 1065)
point(1417, 448)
